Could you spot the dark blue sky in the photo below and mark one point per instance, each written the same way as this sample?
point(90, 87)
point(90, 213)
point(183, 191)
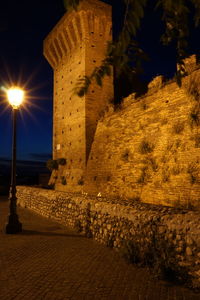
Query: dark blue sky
point(23, 27)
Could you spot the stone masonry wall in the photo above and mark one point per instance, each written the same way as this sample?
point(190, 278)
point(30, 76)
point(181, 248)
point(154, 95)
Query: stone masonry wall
point(173, 235)
point(149, 149)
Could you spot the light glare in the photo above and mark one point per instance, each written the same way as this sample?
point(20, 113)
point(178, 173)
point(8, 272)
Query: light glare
point(15, 97)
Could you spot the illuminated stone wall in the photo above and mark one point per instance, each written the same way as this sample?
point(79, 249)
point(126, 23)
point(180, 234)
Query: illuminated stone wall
point(150, 148)
point(75, 46)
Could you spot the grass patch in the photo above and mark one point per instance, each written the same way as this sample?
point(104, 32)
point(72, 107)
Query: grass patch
point(193, 88)
point(145, 147)
point(197, 140)
point(193, 172)
point(194, 115)
point(176, 170)
point(165, 175)
point(80, 181)
point(178, 127)
point(125, 155)
point(63, 180)
point(143, 176)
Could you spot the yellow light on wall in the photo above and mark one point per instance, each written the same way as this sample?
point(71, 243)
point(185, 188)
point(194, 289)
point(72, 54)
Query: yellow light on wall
point(15, 97)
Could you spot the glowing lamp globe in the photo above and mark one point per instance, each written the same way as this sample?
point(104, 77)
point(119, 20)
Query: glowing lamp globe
point(15, 97)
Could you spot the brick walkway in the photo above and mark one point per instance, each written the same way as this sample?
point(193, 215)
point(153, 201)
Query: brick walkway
point(48, 261)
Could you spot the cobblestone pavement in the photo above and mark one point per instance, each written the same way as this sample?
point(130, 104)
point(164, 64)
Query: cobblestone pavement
point(48, 261)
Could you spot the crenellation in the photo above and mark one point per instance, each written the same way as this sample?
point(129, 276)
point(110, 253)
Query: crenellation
point(58, 49)
point(67, 40)
point(84, 25)
point(90, 21)
point(54, 53)
point(77, 28)
point(63, 44)
point(73, 32)
point(71, 35)
point(50, 59)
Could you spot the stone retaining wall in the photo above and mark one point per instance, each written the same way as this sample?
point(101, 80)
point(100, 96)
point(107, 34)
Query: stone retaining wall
point(155, 234)
point(149, 148)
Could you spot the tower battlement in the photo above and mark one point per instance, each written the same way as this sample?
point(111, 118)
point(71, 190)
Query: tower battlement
point(75, 46)
point(92, 22)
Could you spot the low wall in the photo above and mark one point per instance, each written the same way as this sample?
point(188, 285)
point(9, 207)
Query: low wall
point(146, 232)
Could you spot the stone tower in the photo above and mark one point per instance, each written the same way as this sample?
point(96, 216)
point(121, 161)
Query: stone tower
point(75, 46)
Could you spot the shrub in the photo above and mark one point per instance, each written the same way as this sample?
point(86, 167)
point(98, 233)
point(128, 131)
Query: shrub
point(193, 171)
point(193, 88)
point(125, 155)
point(165, 176)
point(80, 181)
point(159, 255)
point(130, 251)
point(176, 170)
point(197, 140)
point(63, 180)
point(195, 115)
point(61, 161)
point(151, 161)
point(52, 164)
point(143, 176)
point(145, 147)
point(50, 186)
point(77, 225)
point(178, 127)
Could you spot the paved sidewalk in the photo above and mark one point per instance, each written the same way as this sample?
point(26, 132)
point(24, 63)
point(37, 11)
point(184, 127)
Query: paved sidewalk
point(48, 261)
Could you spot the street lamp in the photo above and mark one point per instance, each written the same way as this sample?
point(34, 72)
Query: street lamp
point(15, 97)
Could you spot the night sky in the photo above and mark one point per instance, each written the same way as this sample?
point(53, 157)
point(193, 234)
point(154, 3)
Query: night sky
point(23, 27)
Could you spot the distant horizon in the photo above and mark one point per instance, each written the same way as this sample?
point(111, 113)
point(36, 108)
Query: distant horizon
point(24, 167)
point(9, 159)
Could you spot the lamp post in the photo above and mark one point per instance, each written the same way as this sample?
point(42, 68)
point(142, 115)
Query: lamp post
point(15, 97)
